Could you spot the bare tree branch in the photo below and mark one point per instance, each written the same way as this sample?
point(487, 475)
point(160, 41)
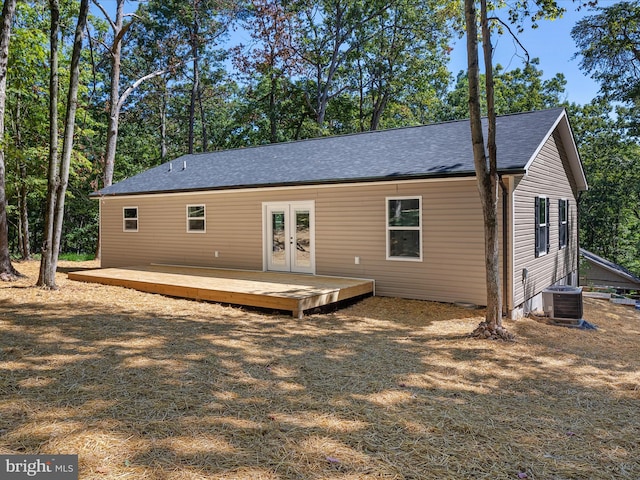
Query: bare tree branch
point(138, 82)
point(513, 35)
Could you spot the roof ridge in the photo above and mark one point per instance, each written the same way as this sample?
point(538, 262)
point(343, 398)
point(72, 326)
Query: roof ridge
point(354, 134)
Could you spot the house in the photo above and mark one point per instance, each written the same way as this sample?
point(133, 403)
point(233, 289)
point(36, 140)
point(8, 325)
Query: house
point(398, 206)
point(600, 272)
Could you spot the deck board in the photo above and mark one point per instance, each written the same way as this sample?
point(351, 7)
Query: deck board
point(280, 291)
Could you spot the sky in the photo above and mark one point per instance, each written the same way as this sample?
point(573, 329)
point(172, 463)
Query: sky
point(551, 42)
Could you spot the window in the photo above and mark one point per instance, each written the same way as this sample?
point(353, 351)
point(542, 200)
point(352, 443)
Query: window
point(563, 222)
point(130, 219)
point(195, 218)
point(404, 228)
point(542, 226)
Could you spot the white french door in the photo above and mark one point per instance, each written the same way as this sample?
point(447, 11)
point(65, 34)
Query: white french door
point(289, 237)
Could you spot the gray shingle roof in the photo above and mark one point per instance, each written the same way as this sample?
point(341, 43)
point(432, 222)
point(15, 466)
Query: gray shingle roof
point(437, 150)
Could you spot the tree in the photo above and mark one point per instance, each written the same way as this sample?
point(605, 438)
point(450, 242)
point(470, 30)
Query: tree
point(269, 63)
point(324, 43)
point(485, 156)
point(610, 209)
point(117, 98)
point(517, 90)
point(119, 30)
point(26, 117)
point(7, 271)
point(401, 55)
point(191, 30)
point(486, 168)
point(609, 43)
point(59, 167)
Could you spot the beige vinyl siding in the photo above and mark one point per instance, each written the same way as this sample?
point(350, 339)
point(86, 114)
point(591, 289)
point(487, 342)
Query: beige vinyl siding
point(549, 176)
point(595, 275)
point(162, 235)
point(350, 221)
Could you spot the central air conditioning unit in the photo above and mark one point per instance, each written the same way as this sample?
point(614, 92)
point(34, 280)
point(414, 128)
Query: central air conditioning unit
point(563, 302)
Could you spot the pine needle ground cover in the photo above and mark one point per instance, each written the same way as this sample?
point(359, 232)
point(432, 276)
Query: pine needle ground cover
point(141, 386)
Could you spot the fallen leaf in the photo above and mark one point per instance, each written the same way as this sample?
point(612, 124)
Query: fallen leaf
point(333, 460)
point(522, 475)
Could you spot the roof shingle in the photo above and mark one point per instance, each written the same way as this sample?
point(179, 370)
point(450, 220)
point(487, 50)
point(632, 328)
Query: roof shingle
point(436, 150)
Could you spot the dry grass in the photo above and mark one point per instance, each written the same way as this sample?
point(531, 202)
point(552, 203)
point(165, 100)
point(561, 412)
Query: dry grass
point(146, 387)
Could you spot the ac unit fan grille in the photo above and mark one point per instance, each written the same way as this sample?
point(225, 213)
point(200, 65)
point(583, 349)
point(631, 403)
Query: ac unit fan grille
point(567, 306)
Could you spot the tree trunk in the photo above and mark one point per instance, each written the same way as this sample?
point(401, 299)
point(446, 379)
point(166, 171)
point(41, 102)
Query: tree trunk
point(163, 124)
point(378, 109)
point(273, 115)
point(49, 264)
point(192, 106)
point(196, 80)
point(25, 249)
point(486, 169)
point(7, 272)
point(114, 97)
point(46, 278)
point(23, 223)
point(203, 122)
point(491, 187)
point(361, 92)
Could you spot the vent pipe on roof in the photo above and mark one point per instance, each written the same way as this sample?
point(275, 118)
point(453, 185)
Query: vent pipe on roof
point(184, 165)
point(170, 166)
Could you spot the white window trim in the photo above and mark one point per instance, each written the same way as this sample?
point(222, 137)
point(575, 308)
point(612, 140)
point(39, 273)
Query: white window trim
point(546, 224)
point(124, 220)
point(203, 217)
point(389, 229)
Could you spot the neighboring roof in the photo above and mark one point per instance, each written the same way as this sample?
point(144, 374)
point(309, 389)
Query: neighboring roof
point(610, 266)
point(429, 151)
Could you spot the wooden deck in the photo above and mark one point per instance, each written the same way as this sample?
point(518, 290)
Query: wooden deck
point(279, 291)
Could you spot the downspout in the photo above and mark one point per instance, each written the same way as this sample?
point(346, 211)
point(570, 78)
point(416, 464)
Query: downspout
point(505, 247)
point(578, 238)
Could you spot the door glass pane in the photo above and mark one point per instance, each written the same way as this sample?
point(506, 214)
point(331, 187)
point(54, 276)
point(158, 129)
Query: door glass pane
point(278, 250)
point(302, 253)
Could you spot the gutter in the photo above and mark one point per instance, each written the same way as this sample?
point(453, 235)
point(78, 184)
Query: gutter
point(505, 247)
point(308, 183)
point(580, 193)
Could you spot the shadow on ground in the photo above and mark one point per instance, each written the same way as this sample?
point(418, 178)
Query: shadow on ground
point(168, 394)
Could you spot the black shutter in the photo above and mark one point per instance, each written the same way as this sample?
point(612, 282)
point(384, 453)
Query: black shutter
point(566, 231)
point(548, 227)
point(537, 226)
point(566, 235)
point(560, 226)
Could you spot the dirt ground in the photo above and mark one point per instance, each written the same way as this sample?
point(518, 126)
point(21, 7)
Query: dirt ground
point(142, 386)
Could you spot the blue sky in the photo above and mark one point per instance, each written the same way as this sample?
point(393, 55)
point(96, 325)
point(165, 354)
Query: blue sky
point(551, 42)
